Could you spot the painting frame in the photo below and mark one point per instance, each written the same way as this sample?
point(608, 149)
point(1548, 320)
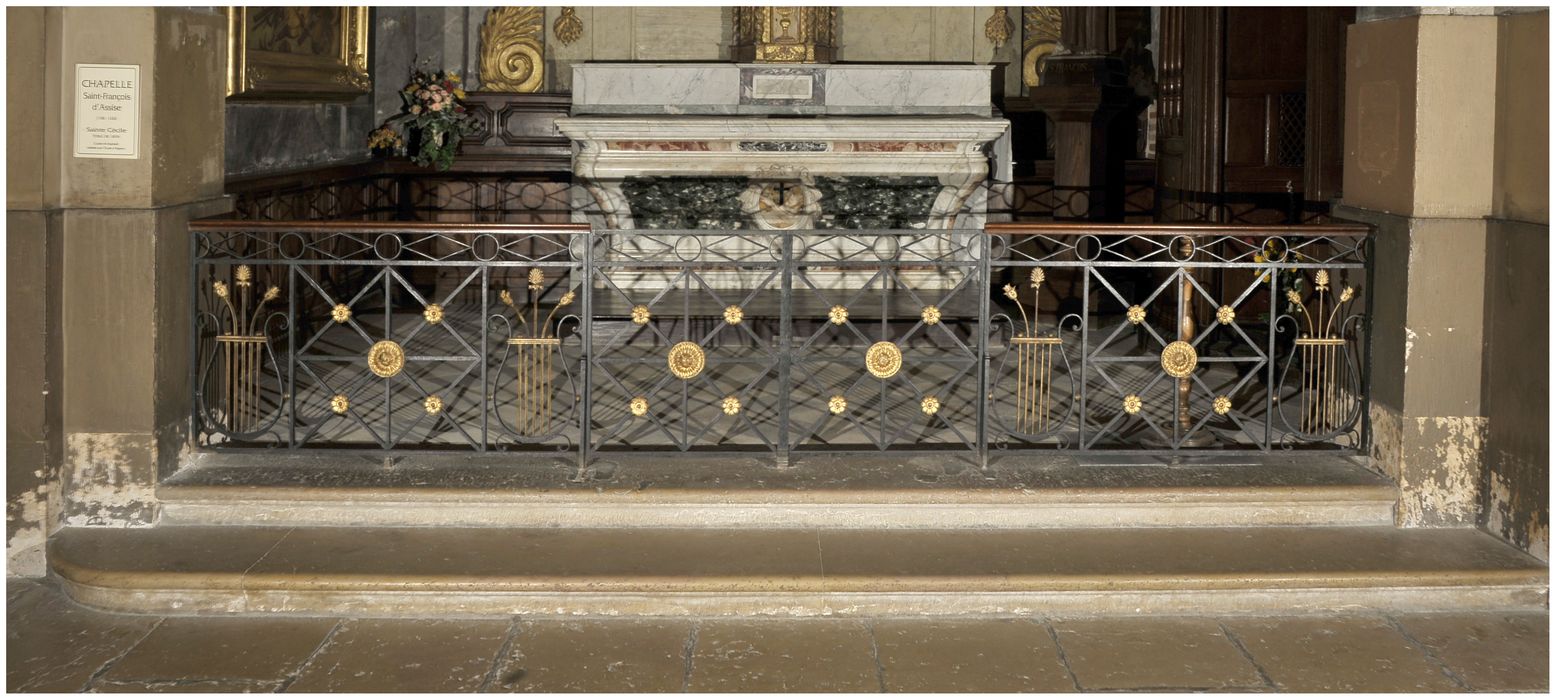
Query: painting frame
point(335, 69)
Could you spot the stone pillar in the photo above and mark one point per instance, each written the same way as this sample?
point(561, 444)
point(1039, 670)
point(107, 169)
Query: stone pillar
point(1515, 385)
point(123, 249)
point(1420, 98)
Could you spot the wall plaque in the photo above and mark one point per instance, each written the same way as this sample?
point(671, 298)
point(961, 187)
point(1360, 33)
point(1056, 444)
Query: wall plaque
point(107, 111)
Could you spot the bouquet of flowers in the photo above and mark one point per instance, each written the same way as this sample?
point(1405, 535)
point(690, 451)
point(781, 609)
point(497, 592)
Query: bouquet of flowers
point(434, 111)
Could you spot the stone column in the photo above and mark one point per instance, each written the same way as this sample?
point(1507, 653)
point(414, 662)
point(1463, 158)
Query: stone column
point(1420, 99)
point(123, 249)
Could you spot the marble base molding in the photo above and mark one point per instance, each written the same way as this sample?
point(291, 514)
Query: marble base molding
point(769, 151)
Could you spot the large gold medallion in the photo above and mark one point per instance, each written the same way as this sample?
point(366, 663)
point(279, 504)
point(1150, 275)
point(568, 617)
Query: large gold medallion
point(883, 359)
point(386, 358)
point(686, 360)
point(1179, 359)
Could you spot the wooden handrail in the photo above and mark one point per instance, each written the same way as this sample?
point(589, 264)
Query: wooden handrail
point(1080, 228)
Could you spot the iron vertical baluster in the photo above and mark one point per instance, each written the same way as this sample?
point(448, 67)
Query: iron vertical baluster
point(785, 346)
point(984, 391)
point(1269, 383)
point(488, 400)
point(586, 404)
point(1366, 350)
point(1085, 320)
point(388, 438)
point(194, 339)
point(880, 440)
point(291, 354)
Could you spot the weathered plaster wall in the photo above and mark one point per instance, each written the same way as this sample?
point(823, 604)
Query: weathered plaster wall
point(1515, 495)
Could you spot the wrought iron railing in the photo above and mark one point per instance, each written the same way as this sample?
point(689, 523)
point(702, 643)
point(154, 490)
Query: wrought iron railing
point(562, 338)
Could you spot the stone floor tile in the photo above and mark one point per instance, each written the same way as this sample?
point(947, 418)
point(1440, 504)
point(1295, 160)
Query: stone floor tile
point(54, 645)
point(196, 686)
point(1001, 655)
point(757, 656)
point(413, 656)
point(1333, 654)
point(1153, 653)
point(596, 656)
point(1488, 651)
point(225, 648)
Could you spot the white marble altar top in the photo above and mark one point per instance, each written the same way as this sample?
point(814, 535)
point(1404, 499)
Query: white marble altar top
point(775, 89)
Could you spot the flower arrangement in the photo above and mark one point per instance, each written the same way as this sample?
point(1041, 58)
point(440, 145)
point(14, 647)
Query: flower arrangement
point(435, 112)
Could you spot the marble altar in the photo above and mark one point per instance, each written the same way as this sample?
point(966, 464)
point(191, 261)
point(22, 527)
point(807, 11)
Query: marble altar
point(784, 147)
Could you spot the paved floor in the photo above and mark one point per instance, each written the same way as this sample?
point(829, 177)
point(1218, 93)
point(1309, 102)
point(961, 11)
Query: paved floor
point(54, 645)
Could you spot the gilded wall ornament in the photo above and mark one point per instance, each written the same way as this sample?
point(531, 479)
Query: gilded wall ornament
point(837, 404)
point(1040, 29)
point(1135, 314)
point(512, 55)
point(838, 315)
point(733, 315)
point(997, 28)
point(1179, 359)
point(883, 359)
point(567, 27)
point(339, 404)
point(686, 360)
point(386, 358)
point(930, 315)
point(640, 314)
point(731, 405)
point(432, 405)
point(1132, 404)
point(341, 313)
point(638, 406)
point(930, 405)
point(433, 313)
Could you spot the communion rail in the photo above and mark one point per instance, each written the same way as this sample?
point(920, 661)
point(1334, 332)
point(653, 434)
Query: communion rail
point(491, 337)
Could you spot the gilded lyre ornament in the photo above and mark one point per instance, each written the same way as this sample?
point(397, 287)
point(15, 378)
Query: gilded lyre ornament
point(1326, 402)
point(1034, 361)
point(997, 28)
point(241, 344)
point(785, 34)
point(512, 55)
point(1040, 37)
point(534, 347)
point(567, 27)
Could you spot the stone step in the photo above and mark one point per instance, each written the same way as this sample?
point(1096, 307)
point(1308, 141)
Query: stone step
point(370, 572)
point(721, 491)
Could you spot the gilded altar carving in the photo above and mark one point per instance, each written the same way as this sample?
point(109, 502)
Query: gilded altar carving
point(785, 34)
point(512, 53)
point(567, 27)
point(1039, 37)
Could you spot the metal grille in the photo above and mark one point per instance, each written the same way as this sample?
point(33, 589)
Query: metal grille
point(1291, 143)
point(556, 337)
